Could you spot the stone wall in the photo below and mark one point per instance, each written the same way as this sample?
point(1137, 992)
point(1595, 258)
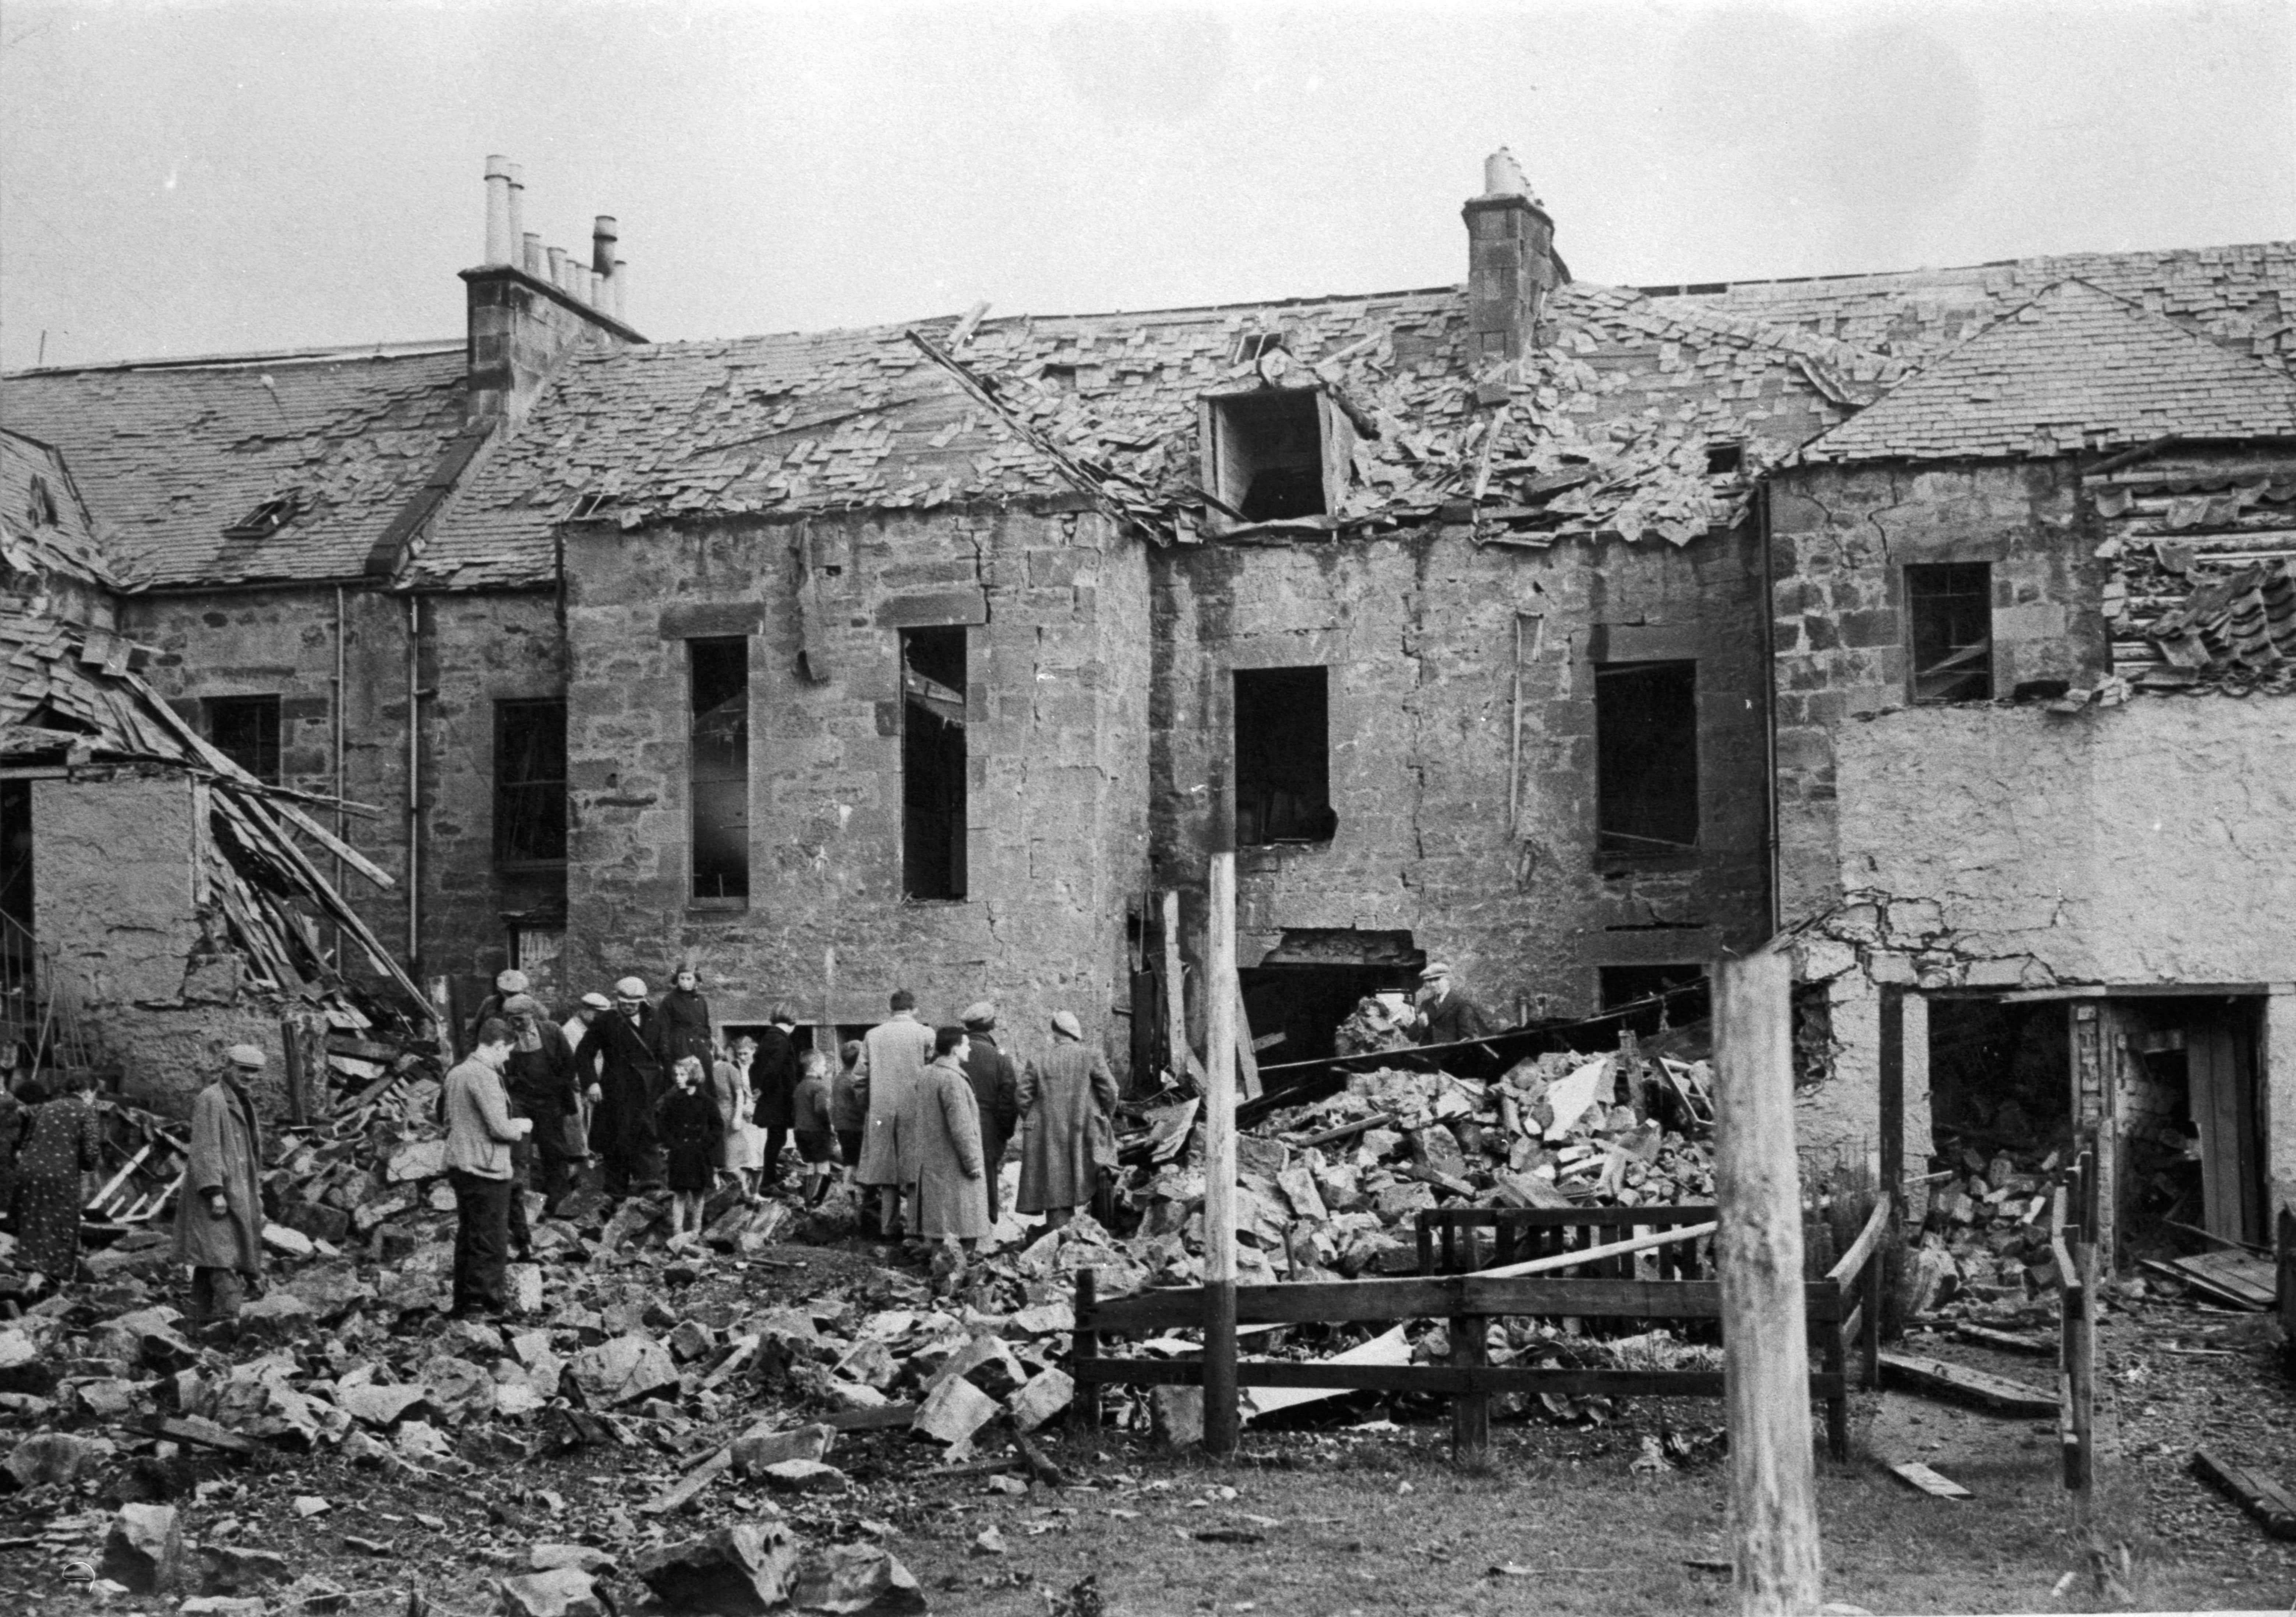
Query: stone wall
point(1056, 710)
point(113, 900)
point(1841, 539)
point(1419, 632)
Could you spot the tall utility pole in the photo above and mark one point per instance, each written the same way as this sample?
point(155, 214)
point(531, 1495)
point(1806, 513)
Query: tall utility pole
point(1222, 1424)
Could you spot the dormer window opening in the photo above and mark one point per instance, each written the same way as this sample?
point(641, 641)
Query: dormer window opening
point(267, 518)
point(1275, 455)
point(41, 509)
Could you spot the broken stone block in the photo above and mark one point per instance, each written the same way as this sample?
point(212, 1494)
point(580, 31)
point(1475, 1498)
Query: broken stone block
point(871, 1363)
point(227, 1569)
point(802, 1476)
point(53, 1459)
point(986, 1363)
point(144, 1548)
point(1040, 1400)
point(754, 1451)
point(1436, 1147)
point(317, 1220)
point(108, 1400)
point(742, 1570)
point(222, 1605)
point(1042, 1319)
point(624, 1370)
point(382, 1407)
point(857, 1581)
point(277, 1315)
point(458, 1389)
point(471, 1339)
point(1175, 1416)
point(418, 1160)
point(1298, 1187)
point(288, 1243)
point(690, 1341)
point(582, 1557)
point(366, 1215)
point(952, 1412)
point(564, 1591)
point(524, 1282)
point(23, 1367)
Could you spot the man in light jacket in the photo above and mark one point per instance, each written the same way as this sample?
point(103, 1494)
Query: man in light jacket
point(893, 1058)
point(219, 1210)
point(480, 1134)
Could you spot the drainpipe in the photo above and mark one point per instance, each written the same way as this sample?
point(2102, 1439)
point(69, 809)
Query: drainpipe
point(414, 785)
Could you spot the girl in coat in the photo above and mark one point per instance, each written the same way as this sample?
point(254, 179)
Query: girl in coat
point(737, 1152)
point(220, 1208)
point(682, 1022)
point(64, 1142)
point(691, 1127)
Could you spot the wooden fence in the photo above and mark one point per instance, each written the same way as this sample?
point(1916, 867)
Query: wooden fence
point(1844, 1309)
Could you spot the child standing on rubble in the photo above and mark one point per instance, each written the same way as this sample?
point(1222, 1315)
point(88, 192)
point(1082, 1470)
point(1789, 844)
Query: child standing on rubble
point(816, 1142)
point(691, 1127)
point(848, 1113)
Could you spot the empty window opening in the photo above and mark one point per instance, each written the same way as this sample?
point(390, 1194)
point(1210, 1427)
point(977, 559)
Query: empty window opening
point(717, 676)
point(588, 505)
point(1283, 756)
point(41, 507)
point(1949, 621)
point(1725, 459)
point(15, 876)
point(1255, 345)
point(1654, 998)
point(1647, 757)
point(933, 808)
point(267, 518)
point(1267, 454)
point(245, 728)
point(529, 783)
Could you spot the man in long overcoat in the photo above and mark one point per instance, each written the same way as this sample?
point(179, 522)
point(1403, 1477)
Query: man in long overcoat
point(996, 1090)
point(893, 1055)
point(773, 1080)
point(941, 1126)
point(630, 1083)
point(1068, 1096)
point(219, 1209)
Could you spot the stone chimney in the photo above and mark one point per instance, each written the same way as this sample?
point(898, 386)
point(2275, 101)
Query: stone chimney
point(1510, 262)
point(530, 306)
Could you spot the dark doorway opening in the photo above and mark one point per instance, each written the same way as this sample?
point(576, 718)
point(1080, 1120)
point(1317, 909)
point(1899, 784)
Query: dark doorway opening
point(1651, 991)
point(1311, 981)
point(2191, 1121)
point(1283, 757)
point(933, 763)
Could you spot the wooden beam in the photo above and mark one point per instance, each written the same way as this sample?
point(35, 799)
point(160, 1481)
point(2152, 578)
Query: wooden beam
point(1997, 1393)
point(1175, 1002)
point(1223, 1423)
point(1247, 1055)
point(1571, 1260)
point(2263, 1499)
point(1759, 1257)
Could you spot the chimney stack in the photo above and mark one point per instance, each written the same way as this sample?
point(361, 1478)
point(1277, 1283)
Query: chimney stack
point(530, 305)
point(1511, 261)
point(621, 290)
point(500, 236)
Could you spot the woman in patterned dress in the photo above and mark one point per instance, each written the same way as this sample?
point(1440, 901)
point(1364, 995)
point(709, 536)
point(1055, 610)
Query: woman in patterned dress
point(63, 1143)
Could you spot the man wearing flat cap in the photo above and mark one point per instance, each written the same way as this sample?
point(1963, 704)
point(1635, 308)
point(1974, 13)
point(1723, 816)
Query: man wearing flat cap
point(219, 1207)
point(1447, 1016)
point(1068, 1106)
point(996, 1088)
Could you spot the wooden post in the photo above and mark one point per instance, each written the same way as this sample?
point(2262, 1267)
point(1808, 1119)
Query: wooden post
point(1758, 1253)
point(1084, 1407)
point(1221, 1422)
point(1247, 1059)
point(291, 1046)
point(1175, 1001)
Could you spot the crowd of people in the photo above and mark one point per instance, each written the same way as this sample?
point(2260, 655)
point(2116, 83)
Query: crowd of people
point(915, 1119)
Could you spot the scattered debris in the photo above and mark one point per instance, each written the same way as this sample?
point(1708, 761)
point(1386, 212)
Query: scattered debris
point(2259, 1496)
point(1931, 1482)
point(1962, 1384)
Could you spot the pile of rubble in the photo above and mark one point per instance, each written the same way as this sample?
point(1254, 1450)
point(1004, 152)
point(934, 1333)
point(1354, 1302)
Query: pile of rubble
point(1985, 1238)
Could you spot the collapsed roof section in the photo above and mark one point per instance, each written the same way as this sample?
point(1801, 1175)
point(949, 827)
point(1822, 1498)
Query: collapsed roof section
point(70, 696)
point(262, 470)
point(45, 526)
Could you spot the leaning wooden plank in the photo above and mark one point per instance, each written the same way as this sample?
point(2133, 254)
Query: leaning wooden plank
point(883, 1418)
point(687, 1488)
point(2251, 1278)
point(1429, 1378)
point(2008, 1342)
point(202, 1433)
point(1433, 1297)
point(1853, 1261)
point(2218, 1293)
point(2259, 1496)
point(1929, 1481)
point(1572, 1260)
point(1997, 1393)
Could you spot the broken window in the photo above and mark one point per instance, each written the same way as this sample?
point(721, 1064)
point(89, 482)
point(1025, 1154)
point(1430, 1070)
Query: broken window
point(1725, 459)
point(1660, 996)
point(1283, 756)
point(1646, 758)
point(1274, 455)
point(245, 728)
point(267, 518)
point(718, 767)
point(1950, 622)
point(932, 763)
point(529, 783)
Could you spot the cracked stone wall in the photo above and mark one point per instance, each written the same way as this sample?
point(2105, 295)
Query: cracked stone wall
point(1419, 633)
point(1057, 703)
point(112, 897)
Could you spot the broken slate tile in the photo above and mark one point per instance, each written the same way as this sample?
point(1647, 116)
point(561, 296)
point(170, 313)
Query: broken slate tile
point(952, 1412)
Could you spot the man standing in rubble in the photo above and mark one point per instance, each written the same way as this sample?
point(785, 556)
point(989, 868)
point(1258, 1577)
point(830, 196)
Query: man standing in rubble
point(480, 1133)
point(1447, 1016)
point(219, 1210)
point(539, 1076)
point(893, 1057)
point(996, 1088)
point(589, 1058)
point(1068, 1110)
point(628, 1086)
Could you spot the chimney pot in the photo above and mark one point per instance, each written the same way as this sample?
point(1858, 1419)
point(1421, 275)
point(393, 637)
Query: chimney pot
point(516, 212)
point(1510, 262)
point(530, 253)
point(1502, 175)
point(499, 236)
point(619, 286)
point(556, 275)
point(604, 236)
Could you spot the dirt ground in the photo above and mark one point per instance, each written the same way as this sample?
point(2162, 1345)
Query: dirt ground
point(1359, 1515)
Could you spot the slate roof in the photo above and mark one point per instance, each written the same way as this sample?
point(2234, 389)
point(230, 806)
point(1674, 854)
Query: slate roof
point(2242, 298)
point(45, 524)
point(170, 454)
point(2235, 632)
point(1606, 429)
point(2075, 369)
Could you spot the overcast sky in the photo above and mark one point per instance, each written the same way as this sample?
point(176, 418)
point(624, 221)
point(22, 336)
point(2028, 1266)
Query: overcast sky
point(181, 179)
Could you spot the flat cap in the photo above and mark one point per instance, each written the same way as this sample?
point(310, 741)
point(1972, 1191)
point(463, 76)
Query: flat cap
point(245, 1056)
point(1436, 968)
point(521, 1005)
point(981, 1013)
point(1065, 1022)
point(597, 1001)
point(513, 981)
point(631, 988)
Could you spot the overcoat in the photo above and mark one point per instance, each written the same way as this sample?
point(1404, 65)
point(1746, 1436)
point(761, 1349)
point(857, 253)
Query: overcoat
point(630, 1079)
point(540, 1081)
point(1453, 1019)
point(682, 1029)
point(738, 1146)
point(1063, 1094)
point(940, 1127)
point(773, 1079)
point(892, 1056)
point(226, 1154)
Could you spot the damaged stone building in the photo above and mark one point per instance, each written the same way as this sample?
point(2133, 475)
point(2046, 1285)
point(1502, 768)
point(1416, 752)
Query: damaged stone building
point(1570, 633)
